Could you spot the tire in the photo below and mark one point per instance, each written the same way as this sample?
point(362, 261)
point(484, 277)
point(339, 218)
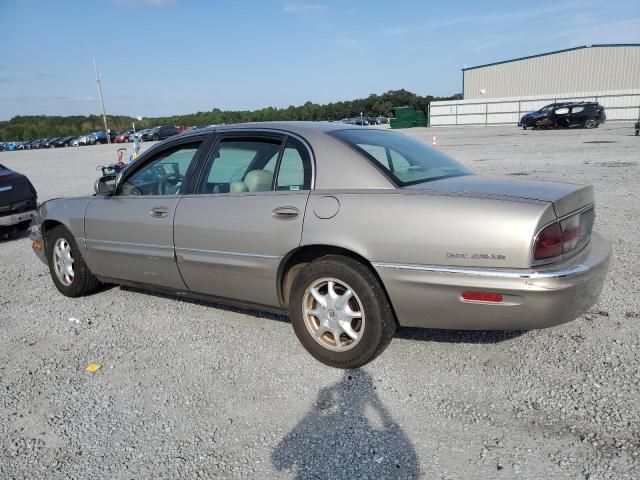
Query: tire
point(591, 123)
point(367, 314)
point(82, 282)
point(637, 132)
point(155, 138)
point(524, 127)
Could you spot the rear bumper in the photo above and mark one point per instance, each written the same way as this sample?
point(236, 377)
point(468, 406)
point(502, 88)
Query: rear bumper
point(16, 218)
point(429, 296)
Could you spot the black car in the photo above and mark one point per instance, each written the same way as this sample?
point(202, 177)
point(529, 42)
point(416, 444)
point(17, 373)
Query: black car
point(50, 142)
point(565, 115)
point(159, 133)
point(63, 141)
point(18, 200)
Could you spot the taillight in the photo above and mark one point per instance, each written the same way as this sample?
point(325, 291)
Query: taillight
point(562, 237)
point(549, 243)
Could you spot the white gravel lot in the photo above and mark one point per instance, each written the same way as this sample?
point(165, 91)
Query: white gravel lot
point(196, 390)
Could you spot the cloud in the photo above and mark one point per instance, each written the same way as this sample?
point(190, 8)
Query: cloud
point(490, 18)
point(142, 3)
point(303, 8)
point(621, 31)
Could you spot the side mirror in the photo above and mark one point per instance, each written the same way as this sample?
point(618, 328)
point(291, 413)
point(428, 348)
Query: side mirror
point(105, 185)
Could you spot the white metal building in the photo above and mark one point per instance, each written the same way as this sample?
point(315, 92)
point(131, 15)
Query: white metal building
point(596, 68)
point(501, 92)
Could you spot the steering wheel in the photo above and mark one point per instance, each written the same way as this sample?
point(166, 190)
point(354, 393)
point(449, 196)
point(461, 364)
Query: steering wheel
point(171, 183)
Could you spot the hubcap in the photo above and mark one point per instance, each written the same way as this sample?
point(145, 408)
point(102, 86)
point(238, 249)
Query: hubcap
point(63, 262)
point(333, 314)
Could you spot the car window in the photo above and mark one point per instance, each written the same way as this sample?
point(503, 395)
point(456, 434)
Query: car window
point(412, 161)
point(562, 111)
point(238, 165)
point(294, 172)
point(164, 174)
point(577, 109)
point(378, 152)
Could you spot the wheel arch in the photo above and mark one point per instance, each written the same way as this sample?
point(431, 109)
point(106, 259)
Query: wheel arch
point(296, 259)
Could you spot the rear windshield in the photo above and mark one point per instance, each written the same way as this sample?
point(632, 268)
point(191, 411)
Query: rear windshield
point(406, 160)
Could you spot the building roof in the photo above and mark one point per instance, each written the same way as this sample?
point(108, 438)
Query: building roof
point(554, 52)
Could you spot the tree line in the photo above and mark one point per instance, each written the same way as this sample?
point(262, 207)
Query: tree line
point(42, 126)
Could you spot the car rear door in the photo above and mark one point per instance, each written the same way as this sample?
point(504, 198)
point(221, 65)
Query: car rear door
point(243, 216)
point(579, 114)
point(129, 235)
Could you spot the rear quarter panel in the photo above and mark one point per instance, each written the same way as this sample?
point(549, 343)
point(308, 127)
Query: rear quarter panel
point(423, 228)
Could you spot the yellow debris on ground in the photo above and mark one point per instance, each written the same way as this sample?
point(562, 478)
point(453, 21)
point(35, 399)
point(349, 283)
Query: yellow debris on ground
point(93, 367)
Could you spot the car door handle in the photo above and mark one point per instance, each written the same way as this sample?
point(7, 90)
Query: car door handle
point(285, 213)
point(159, 212)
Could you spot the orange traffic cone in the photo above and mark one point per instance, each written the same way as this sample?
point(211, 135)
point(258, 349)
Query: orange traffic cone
point(434, 143)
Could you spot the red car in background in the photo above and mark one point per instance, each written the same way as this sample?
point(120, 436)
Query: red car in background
point(123, 137)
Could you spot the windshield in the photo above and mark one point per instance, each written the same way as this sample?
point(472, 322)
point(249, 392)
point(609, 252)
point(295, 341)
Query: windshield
point(406, 160)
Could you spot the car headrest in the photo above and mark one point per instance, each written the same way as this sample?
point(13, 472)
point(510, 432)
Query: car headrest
point(236, 187)
point(259, 180)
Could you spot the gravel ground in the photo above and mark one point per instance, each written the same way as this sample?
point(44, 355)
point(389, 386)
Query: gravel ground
point(196, 390)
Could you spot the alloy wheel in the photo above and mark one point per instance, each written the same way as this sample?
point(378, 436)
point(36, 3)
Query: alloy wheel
point(333, 314)
point(63, 262)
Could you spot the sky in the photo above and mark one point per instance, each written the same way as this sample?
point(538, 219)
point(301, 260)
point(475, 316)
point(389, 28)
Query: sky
point(166, 57)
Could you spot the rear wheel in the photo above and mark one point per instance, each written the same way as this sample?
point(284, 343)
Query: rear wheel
point(591, 123)
point(69, 273)
point(340, 313)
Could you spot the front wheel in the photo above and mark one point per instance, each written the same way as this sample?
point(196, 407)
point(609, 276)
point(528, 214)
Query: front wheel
point(69, 273)
point(591, 123)
point(155, 138)
point(340, 312)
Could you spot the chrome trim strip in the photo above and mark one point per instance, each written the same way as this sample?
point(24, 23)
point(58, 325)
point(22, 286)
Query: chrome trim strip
point(233, 254)
point(193, 250)
point(6, 189)
point(149, 245)
point(476, 272)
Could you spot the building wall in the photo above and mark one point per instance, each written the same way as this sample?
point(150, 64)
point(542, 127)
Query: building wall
point(591, 69)
point(619, 105)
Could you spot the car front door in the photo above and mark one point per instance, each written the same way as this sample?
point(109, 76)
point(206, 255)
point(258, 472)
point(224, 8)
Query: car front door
point(129, 235)
point(244, 215)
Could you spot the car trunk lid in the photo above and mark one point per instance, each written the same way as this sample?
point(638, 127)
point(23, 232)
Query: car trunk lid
point(16, 191)
point(566, 197)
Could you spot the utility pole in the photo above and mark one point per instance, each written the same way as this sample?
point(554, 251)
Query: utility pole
point(104, 115)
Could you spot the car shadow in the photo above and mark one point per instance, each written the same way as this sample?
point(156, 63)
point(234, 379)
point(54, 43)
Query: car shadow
point(457, 336)
point(348, 433)
point(406, 333)
point(12, 236)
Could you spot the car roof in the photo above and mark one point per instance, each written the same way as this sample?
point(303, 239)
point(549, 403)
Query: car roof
point(301, 128)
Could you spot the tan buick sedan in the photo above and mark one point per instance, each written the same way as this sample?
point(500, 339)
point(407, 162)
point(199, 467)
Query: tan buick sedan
point(350, 230)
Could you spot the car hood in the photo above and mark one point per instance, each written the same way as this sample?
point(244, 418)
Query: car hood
point(566, 197)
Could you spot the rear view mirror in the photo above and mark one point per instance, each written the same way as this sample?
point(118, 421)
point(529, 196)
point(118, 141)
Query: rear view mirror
point(105, 185)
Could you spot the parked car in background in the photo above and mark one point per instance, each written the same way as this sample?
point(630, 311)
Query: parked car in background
point(362, 121)
point(159, 133)
point(123, 137)
point(18, 200)
point(97, 137)
point(287, 216)
point(50, 142)
point(565, 115)
point(63, 141)
point(80, 140)
point(138, 134)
